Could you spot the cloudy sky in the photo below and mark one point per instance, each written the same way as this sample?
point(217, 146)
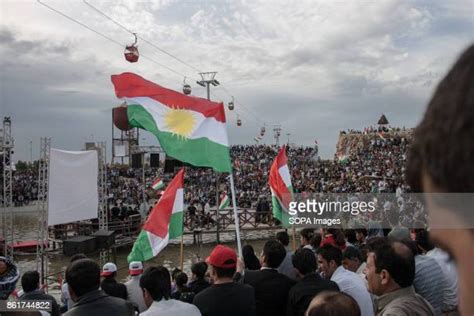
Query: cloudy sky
point(315, 67)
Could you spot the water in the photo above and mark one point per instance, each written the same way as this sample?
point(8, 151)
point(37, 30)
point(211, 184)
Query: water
point(26, 228)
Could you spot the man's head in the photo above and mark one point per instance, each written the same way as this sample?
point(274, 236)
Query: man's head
point(329, 259)
point(390, 266)
point(283, 237)
point(273, 254)
point(181, 279)
point(82, 276)
point(351, 259)
point(30, 281)
point(155, 283)
point(306, 234)
point(199, 270)
point(332, 304)
point(223, 261)
point(77, 256)
point(304, 262)
point(9, 276)
point(440, 160)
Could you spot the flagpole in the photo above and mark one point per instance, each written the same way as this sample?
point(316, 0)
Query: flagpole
point(236, 217)
point(294, 238)
point(182, 252)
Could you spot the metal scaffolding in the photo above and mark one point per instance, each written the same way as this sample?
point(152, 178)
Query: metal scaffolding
point(7, 144)
point(102, 187)
point(43, 184)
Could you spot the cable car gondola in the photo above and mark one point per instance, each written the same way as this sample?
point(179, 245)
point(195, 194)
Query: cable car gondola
point(186, 87)
point(262, 131)
point(231, 104)
point(131, 51)
point(239, 121)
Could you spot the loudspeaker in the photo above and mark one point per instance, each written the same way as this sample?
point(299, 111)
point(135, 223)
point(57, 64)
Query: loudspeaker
point(154, 160)
point(169, 165)
point(104, 239)
point(79, 244)
point(120, 118)
point(137, 161)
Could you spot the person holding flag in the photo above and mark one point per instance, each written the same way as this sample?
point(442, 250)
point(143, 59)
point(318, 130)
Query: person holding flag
point(157, 184)
point(225, 201)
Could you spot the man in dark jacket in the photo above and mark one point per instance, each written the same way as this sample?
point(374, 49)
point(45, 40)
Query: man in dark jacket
point(310, 283)
point(30, 282)
point(110, 285)
point(271, 288)
point(225, 297)
point(83, 277)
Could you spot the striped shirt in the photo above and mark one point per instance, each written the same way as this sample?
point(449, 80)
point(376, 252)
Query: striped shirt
point(429, 281)
point(450, 298)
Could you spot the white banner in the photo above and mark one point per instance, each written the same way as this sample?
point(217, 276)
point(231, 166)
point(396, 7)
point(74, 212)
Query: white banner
point(73, 192)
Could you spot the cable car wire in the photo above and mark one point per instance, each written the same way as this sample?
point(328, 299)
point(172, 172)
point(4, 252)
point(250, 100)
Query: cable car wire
point(106, 37)
point(143, 39)
point(143, 56)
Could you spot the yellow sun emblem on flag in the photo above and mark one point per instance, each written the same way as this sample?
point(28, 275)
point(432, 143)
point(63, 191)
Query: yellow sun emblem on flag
point(180, 122)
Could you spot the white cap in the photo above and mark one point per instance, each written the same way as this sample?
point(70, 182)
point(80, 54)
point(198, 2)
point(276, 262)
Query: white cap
point(108, 269)
point(135, 268)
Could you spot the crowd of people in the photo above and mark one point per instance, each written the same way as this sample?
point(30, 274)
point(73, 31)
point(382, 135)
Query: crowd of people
point(333, 272)
point(377, 166)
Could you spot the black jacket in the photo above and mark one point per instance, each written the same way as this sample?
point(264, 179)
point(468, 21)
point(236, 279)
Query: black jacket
point(98, 303)
point(304, 291)
point(271, 291)
point(111, 287)
point(198, 285)
point(228, 299)
point(40, 295)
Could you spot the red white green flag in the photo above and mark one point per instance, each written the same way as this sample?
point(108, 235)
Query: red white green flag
point(189, 129)
point(280, 185)
point(225, 201)
point(157, 184)
point(164, 223)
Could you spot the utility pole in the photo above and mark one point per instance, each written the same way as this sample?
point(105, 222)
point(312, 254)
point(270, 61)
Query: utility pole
point(288, 142)
point(31, 151)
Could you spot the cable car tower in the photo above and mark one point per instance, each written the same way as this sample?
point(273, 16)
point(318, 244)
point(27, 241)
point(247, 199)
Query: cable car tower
point(276, 134)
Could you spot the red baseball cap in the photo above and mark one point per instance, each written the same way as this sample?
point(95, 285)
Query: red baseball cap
point(222, 257)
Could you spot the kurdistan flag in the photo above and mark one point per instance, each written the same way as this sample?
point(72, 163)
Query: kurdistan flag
point(280, 185)
point(165, 222)
point(225, 201)
point(157, 184)
point(189, 129)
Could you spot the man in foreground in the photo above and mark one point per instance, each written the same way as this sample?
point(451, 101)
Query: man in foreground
point(83, 278)
point(440, 161)
point(330, 265)
point(390, 273)
point(156, 286)
point(30, 282)
point(225, 297)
